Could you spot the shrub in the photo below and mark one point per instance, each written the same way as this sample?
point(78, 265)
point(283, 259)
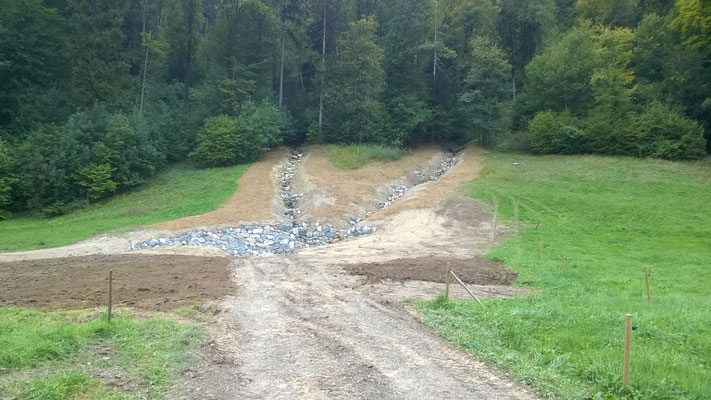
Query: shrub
point(668, 134)
point(226, 141)
point(552, 132)
point(219, 143)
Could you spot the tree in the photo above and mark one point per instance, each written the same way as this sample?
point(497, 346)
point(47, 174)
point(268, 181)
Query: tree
point(99, 59)
point(357, 113)
point(694, 21)
point(609, 12)
point(486, 85)
point(6, 179)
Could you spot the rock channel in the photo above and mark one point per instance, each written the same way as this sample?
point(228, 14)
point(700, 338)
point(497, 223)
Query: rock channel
point(263, 240)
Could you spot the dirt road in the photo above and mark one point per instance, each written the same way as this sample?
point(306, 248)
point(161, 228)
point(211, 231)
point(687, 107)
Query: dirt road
point(315, 324)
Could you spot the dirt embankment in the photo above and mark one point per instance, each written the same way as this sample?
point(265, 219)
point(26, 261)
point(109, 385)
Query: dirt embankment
point(158, 283)
point(256, 199)
point(432, 269)
point(333, 196)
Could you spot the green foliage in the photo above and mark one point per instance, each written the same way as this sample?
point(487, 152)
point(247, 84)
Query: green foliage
point(694, 21)
point(219, 143)
point(665, 133)
point(6, 179)
point(486, 85)
point(152, 351)
point(354, 156)
point(609, 12)
point(612, 217)
point(355, 112)
point(227, 141)
point(180, 191)
point(552, 132)
point(97, 180)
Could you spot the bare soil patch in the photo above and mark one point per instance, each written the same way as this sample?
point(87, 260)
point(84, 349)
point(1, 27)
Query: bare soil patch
point(432, 269)
point(255, 200)
point(333, 196)
point(160, 282)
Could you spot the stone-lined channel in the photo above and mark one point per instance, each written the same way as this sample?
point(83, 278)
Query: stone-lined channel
point(265, 240)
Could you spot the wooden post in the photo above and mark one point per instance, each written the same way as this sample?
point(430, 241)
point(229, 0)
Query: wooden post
point(646, 279)
point(111, 278)
point(466, 288)
point(446, 280)
point(540, 243)
point(628, 349)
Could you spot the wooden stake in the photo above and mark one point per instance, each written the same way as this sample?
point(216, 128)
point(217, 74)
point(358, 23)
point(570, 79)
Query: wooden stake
point(540, 243)
point(646, 279)
point(466, 288)
point(565, 265)
point(111, 278)
point(447, 279)
point(628, 349)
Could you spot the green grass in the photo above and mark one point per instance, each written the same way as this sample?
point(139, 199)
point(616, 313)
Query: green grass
point(348, 157)
point(178, 192)
point(55, 352)
point(612, 217)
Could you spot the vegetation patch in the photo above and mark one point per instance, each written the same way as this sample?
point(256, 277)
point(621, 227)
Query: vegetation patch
point(57, 355)
point(612, 217)
point(349, 157)
point(178, 192)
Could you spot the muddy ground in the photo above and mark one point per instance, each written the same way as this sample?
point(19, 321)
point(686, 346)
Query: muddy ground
point(156, 283)
point(432, 269)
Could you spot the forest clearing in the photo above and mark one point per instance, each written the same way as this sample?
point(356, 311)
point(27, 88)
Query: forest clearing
point(355, 199)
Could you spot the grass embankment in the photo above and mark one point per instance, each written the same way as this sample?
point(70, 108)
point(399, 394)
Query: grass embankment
point(348, 157)
point(55, 355)
point(612, 217)
point(178, 192)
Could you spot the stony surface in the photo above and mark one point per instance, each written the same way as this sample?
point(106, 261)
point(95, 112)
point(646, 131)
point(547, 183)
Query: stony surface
point(285, 238)
point(398, 190)
point(260, 240)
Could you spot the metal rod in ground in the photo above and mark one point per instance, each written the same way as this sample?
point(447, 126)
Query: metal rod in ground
point(628, 349)
point(466, 288)
point(646, 279)
point(447, 279)
point(111, 278)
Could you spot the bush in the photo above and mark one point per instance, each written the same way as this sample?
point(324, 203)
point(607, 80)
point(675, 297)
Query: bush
point(667, 134)
point(219, 143)
point(552, 132)
point(355, 156)
point(226, 141)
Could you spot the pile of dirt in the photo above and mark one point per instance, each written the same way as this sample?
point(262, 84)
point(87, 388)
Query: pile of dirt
point(432, 269)
point(161, 282)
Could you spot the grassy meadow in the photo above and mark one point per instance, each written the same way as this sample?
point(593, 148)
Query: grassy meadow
point(612, 217)
point(180, 191)
point(55, 355)
point(354, 156)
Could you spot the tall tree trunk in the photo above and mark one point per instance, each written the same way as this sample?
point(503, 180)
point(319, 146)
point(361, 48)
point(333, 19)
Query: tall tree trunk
point(323, 71)
point(145, 60)
point(189, 50)
point(434, 58)
point(281, 67)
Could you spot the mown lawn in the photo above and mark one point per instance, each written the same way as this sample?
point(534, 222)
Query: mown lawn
point(178, 192)
point(55, 355)
point(354, 156)
point(612, 217)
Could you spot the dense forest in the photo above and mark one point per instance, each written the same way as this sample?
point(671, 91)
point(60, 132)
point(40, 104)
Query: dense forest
point(96, 96)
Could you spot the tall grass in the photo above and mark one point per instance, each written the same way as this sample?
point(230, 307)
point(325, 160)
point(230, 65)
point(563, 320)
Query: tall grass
point(178, 192)
point(149, 352)
point(612, 217)
point(354, 156)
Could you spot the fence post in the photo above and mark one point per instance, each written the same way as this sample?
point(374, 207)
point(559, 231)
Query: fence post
point(628, 349)
point(446, 280)
point(111, 278)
